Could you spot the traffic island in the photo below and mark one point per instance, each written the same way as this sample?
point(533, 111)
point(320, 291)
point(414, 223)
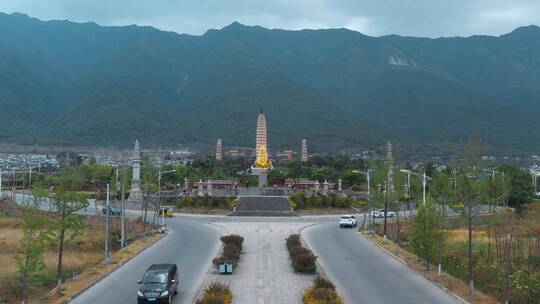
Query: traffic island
point(452, 285)
point(88, 278)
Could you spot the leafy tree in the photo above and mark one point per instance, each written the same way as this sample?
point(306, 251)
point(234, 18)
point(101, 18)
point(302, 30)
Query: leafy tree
point(67, 201)
point(441, 192)
point(352, 177)
point(519, 184)
point(426, 235)
point(468, 194)
point(30, 262)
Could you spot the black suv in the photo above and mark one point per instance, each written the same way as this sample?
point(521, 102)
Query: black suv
point(159, 284)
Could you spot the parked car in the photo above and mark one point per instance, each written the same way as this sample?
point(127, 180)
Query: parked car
point(348, 221)
point(380, 213)
point(158, 285)
point(113, 210)
point(375, 213)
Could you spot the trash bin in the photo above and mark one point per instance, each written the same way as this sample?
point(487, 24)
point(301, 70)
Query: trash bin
point(225, 267)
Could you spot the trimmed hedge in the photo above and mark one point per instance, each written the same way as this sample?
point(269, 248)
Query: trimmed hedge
point(216, 293)
point(206, 201)
point(232, 248)
point(300, 201)
point(323, 291)
point(302, 259)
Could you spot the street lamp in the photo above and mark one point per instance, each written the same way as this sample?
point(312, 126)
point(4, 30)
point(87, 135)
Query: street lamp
point(368, 171)
point(159, 194)
point(424, 178)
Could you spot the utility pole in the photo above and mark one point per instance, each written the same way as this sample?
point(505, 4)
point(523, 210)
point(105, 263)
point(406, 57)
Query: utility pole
point(370, 214)
point(107, 254)
point(1, 196)
point(146, 196)
point(13, 184)
point(122, 217)
point(159, 193)
point(389, 186)
point(424, 182)
point(409, 193)
point(29, 183)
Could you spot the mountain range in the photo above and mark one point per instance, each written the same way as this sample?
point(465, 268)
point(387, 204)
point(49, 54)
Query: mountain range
point(67, 83)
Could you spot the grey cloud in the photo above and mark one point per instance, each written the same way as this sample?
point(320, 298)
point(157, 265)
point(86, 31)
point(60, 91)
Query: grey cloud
point(430, 18)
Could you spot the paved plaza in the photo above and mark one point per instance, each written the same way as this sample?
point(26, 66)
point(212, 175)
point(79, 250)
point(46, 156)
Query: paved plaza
point(264, 274)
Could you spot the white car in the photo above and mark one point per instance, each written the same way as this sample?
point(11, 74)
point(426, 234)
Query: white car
point(380, 213)
point(348, 221)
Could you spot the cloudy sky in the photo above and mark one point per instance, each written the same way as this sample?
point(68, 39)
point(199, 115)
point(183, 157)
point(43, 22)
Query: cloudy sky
point(431, 18)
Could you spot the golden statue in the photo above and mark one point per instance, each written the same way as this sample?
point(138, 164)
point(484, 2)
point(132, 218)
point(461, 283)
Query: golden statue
point(262, 159)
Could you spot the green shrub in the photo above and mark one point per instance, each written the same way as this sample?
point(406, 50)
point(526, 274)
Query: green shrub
point(357, 187)
point(323, 291)
point(293, 241)
point(231, 252)
point(323, 282)
point(216, 293)
point(302, 259)
point(232, 248)
point(359, 204)
point(205, 202)
point(232, 239)
point(10, 288)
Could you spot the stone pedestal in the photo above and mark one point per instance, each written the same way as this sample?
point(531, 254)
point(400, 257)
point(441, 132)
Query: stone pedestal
point(263, 179)
point(135, 194)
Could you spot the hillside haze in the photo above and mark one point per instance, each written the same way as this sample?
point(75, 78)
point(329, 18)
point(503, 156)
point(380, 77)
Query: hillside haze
point(65, 83)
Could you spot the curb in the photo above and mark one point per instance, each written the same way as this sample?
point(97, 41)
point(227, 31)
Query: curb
point(201, 287)
point(448, 291)
point(320, 268)
point(384, 249)
point(103, 276)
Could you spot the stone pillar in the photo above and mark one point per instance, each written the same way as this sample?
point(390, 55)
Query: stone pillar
point(209, 187)
point(325, 187)
point(200, 189)
point(186, 184)
point(339, 184)
point(317, 185)
point(135, 194)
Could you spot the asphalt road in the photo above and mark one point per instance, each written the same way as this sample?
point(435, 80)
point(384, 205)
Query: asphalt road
point(366, 274)
point(190, 244)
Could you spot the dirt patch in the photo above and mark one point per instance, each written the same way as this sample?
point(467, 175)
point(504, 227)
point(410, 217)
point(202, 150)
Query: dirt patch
point(462, 236)
point(90, 275)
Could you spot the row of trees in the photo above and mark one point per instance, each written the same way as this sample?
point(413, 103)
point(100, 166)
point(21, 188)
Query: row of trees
point(465, 190)
point(42, 229)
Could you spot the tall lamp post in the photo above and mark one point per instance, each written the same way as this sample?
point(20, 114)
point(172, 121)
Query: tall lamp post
point(107, 213)
point(160, 174)
point(367, 173)
point(424, 178)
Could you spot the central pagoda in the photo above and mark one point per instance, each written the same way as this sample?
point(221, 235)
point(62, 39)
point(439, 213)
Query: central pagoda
point(262, 163)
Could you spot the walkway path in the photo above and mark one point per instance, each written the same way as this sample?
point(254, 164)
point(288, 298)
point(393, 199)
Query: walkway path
point(264, 274)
